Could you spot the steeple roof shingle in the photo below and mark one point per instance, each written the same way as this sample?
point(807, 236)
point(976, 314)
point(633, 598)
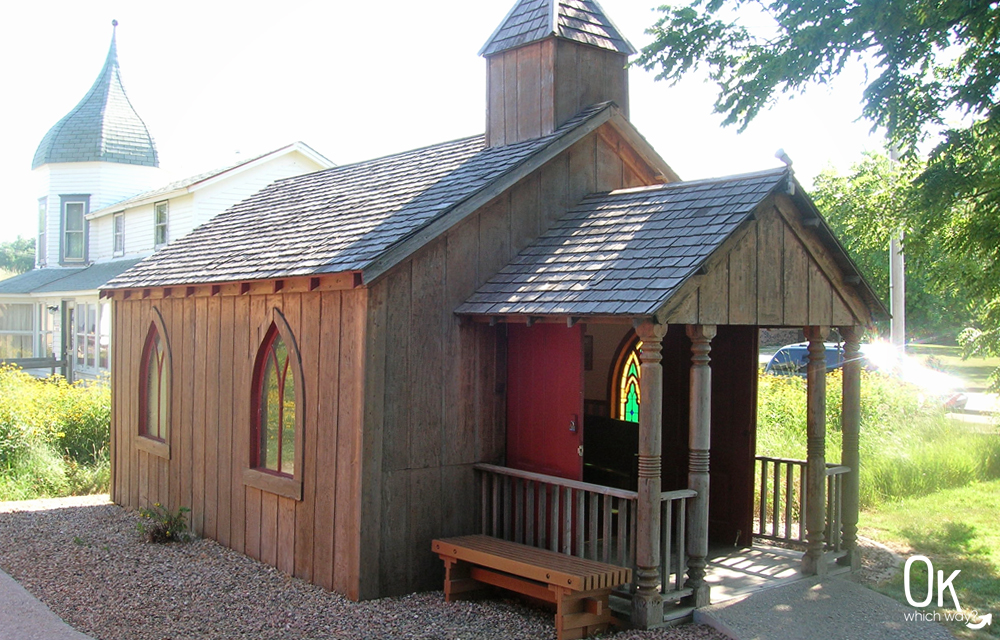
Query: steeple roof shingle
point(103, 127)
point(578, 20)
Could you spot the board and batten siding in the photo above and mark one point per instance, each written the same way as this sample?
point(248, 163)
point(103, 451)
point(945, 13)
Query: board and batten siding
point(213, 341)
point(435, 396)
point(772, 272)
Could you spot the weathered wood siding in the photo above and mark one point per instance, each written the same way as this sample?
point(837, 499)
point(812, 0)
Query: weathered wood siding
point(435, 388)
point(213, 341)
point(533, 89)
point(773, 272)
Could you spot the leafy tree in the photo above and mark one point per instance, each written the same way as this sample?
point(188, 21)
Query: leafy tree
point(865, 207)
point(17, 256)
point(928, 62)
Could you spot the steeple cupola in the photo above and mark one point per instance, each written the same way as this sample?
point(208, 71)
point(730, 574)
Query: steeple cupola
point(103, 127)
point(548, 60)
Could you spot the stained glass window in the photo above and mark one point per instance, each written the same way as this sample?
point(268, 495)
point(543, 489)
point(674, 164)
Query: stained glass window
point(275, 437)
point(628, 384)
point(154, 389)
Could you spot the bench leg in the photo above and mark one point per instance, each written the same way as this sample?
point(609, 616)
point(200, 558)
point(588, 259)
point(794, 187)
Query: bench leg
point(458, 582)
point(581, 613)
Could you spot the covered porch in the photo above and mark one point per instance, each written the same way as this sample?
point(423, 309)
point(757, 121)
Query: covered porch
point(631, 368)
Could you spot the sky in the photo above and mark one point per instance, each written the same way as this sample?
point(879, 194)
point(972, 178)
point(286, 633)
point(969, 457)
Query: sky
point(216, 81)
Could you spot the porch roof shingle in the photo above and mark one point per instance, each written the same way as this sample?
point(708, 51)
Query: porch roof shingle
point(337, 220)
point(624, 253)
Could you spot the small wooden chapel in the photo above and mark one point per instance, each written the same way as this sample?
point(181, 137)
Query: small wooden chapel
point(540, 333)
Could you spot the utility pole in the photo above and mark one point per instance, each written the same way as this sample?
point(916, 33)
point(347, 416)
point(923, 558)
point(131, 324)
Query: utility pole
point(897, 281)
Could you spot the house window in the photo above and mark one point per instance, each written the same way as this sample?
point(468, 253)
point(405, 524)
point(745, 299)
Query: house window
point(161, 211)
point(277, 414)
point(154, 390)
point(626, 381)
point(119, 233)
point(16, 330)
point(73, 233)
point(40, 246)
point(275, 437)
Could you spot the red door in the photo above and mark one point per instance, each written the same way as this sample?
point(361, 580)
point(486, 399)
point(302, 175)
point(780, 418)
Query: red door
point(545, 399)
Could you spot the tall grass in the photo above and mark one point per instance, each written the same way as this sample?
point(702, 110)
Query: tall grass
point(53, 436)
point(908, 445)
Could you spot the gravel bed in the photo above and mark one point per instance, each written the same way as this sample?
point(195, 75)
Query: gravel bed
point(87, 562)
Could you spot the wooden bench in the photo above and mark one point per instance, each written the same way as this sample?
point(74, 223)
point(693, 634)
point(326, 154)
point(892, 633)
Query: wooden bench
point(579, 588)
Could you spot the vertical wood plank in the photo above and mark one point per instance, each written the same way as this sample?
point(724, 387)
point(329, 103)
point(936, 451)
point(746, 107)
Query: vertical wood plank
point(529, 77)
point(198, 424)
point(547, 86)
point(212, 397)
point(372, 398)
point(309, 346)
point(174, 319)
point(494, 236)
point(459, 441)
point(554, 191)
point(269, 528)
point(495, 106)
point(427, 361)
point(743, 280)
point(524, 213)
point(713, 295)
point(770, 257)
point(396, 434)
point(254, 506)
point(820, 297)
point(240, 497)
point(347, 517)
point(510, 96)
point(327, 443)
point(138, 332)
point(187, 404)
point(582, 168)
point(224, 402)
point(425, 523)
point(609, 169)
point(394, 556)
point(796, 277)
point(286, 535)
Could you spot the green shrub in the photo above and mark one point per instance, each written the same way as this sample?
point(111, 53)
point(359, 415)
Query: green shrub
point(54, 436)
point(158, 524)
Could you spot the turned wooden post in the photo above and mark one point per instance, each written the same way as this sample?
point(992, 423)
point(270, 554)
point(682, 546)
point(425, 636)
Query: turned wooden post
point(850, 421)
point(815, 498)
point(699, 445)
point(647, 604)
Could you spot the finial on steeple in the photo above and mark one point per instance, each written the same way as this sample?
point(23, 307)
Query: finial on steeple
point(114, 23)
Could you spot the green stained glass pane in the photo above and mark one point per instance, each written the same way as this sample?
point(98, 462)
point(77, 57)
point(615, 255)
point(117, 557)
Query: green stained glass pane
point(632, 404)
point(632, 370)
point(288, 416)
point(270, 416)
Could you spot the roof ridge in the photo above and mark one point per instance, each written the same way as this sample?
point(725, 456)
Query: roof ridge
point(699, 181)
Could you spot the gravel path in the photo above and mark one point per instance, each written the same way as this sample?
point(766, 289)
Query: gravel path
point(87, 562)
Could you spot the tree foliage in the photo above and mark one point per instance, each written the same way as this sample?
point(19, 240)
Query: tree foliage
point(865, 207)
point(17, 256)
point(928, 63)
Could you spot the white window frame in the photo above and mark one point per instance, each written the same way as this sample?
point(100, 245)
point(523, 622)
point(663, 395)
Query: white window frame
point(161, 227)
point(118, 233)
point(40, 244)
point(81, 232)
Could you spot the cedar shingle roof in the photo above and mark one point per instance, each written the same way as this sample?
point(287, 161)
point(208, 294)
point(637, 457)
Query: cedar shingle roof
point(578, 20)
point(102, 127)
point(624, 252)
point(340, 219)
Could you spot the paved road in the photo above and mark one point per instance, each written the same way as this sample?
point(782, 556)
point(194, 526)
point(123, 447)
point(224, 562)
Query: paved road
point(24, 617)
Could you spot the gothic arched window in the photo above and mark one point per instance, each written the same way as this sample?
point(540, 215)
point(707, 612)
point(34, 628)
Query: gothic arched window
point(626, 390)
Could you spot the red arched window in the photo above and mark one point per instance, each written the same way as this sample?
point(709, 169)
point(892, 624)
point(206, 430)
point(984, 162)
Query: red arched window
point(625, 389)
point(274, 437)
point(154, 387)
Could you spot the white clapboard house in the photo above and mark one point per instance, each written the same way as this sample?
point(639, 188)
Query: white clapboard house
point(102, 207)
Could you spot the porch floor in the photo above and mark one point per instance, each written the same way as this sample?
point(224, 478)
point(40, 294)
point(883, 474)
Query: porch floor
point(737, 572)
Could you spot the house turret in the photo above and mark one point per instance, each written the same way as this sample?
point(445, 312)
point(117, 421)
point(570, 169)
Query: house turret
point(97, 154)
point(546, 61)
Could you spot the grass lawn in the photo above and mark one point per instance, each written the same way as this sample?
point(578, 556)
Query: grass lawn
point(956, 529)
point(975, 371)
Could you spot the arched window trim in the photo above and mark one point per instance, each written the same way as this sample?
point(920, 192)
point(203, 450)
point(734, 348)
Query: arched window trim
point(143, 442)
point(265, 479)
point(625, 349)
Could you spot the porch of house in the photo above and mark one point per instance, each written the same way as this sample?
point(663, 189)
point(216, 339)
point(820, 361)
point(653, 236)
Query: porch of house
point(802, 519)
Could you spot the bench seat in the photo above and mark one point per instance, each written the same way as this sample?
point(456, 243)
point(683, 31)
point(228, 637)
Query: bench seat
point(579, 588)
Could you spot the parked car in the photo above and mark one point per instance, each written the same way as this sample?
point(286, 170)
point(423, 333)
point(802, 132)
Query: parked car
point(945, 389)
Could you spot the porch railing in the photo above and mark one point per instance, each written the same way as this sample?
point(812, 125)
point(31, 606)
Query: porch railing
point(580, 519)
point(781, 501)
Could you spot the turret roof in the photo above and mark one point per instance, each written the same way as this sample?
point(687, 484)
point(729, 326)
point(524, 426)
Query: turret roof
point(578, 20)
point(103, 127)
